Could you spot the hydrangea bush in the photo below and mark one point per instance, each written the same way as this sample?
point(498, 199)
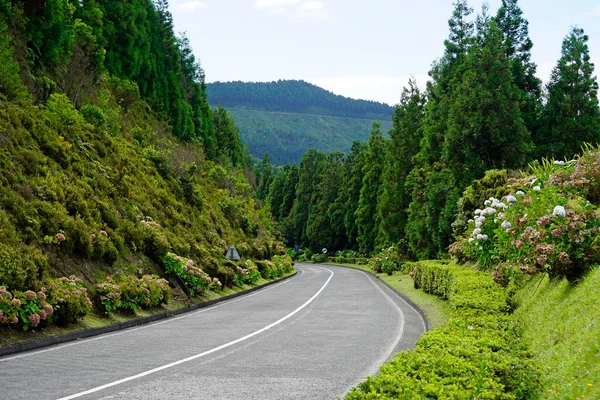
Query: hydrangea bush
point(128, 292)
point(195, 279)
point(546, 223)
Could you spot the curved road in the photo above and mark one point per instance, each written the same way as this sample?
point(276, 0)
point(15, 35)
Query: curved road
point(311, 337)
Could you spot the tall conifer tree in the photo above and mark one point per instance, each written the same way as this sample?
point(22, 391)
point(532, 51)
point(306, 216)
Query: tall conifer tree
point(406, 135)
point(366, 213)
point(571, 116)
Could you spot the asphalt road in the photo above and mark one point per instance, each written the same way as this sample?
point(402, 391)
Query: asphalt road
point(311, 337)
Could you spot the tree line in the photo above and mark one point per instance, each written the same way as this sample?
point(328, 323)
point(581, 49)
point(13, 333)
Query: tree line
point(295, 97)
point(483, 108)
point(70, 47)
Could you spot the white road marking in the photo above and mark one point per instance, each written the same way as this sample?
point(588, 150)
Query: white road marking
point(145, 326)
point(194, 357)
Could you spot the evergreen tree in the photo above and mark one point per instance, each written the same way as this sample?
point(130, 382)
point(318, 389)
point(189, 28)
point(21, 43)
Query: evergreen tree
point(342, 212)
point(446, 74)
point(485, 128)
point(366, 213)
point(406, 136)
point(266, 177)
point(307, 175)
point(571, 116)
point(328, 179)
point(276, 193)
point(518, 47)
point(229, 145)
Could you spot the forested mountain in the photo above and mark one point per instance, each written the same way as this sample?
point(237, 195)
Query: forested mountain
point(287, 118)
point(287, 136)
point(483, 109)
point(293, 96)
point(110, 155)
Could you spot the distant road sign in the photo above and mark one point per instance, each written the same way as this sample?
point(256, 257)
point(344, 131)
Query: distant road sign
point(232, 254)
point(324, 250)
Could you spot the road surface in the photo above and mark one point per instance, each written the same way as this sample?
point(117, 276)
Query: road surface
point(313, 336)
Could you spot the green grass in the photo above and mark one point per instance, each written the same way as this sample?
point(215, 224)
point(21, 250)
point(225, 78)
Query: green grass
point(436, 309)
point(95, 320)
point(562, 327)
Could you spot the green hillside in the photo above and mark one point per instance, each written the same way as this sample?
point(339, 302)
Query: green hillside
point(287, 136)
point(113, 166)
point(286, 118)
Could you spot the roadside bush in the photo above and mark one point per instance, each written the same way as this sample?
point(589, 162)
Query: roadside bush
point(70, 299)
point(17, 269)
point(387, 261)
point(130, 293)
point(253, 275)
point(25, 309)
point(542, 225)
point(195, 279)
point(476, 354)
point(318, 258)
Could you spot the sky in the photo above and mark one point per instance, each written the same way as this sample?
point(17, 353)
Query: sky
point(365, 49)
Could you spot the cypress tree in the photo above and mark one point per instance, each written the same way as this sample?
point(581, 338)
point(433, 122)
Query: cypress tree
point(571, 116)
point(406, 135)
point(366, 213)
point(518, 45)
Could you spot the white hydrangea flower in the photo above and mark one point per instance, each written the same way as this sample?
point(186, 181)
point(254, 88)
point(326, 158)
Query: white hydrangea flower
point(520, 193)
point(559, 211)
point(501, 216)
point(511, 199)
point(481, 219)
point(537, 188)
point(471, 240)
point(484, 237)
point(469, 221)
point(490, 211)
point(477, 212)
point(476, 231)
point(559, 162)
point(487, 203)
point(506, 225)
point(478, 224)
point(479, 237)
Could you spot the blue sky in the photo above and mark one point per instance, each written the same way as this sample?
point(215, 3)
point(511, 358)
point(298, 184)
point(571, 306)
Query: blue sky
point(357, 48)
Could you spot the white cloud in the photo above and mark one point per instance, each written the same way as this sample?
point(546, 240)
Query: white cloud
point(275, 4)
point(192, 5)
point(312, 9)
point(596, 11)
point(385, 89)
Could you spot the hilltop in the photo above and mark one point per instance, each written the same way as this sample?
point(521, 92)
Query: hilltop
point(288, 117)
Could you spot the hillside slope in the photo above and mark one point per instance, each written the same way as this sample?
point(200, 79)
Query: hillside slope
point(101, 171)
point(287, 136)
point(287, 118)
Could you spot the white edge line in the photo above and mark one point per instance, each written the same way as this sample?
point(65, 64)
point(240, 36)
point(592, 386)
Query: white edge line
point(194, 357)
point(144, 326)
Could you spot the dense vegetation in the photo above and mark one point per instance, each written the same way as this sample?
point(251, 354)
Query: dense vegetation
point(483, 109)
point(287, 136)
point(476, 354)
point(110, 159)
point(293, 97)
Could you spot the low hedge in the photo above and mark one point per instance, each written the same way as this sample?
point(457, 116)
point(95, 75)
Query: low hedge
point(476, 354)
point(349, 260)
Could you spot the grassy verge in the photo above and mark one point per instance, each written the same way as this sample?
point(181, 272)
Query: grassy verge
point(561, 325)
point(436, 309)
point(96, 320)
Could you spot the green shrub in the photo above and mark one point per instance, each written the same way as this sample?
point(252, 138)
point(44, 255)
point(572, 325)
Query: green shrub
point(195, 279)
point(70, 299)
point(129, 293)
point(17, 269)
point(543, 225)
point(476, 354)
point(318, 258)
point(26, 309)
